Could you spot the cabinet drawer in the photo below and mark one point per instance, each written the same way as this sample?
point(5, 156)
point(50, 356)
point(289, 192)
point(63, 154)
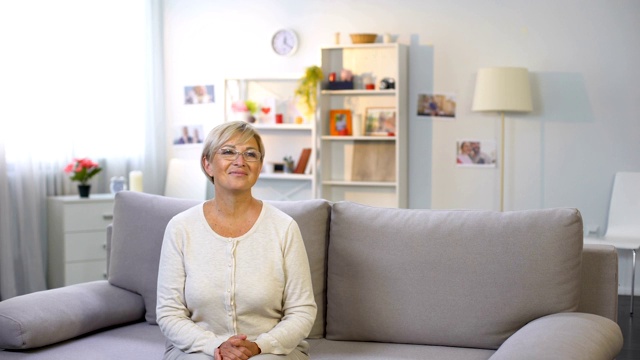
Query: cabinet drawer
point(85, 271)
point(88, 216)
point(81, 246)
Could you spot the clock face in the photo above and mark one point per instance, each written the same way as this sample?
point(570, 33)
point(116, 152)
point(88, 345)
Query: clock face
point(284, 42)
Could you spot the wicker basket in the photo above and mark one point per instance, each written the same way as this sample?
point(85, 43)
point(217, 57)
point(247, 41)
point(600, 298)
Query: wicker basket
point(363, 38)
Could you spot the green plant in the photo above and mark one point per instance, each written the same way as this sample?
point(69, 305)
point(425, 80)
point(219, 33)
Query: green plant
point(252, 106)
point(288, 162)
point(308, 89)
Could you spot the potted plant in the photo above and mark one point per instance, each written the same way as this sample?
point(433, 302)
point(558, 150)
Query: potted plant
point(307, 90)
point(288, 164)
point(82, 170)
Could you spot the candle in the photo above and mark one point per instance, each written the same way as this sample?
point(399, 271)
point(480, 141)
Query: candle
point(135, 180)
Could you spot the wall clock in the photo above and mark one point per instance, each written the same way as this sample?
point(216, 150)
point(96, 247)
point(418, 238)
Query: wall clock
point(284, 42)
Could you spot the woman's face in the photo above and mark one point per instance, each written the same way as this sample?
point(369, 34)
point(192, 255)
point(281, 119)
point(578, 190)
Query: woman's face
point(238, 174)
point(466, 148)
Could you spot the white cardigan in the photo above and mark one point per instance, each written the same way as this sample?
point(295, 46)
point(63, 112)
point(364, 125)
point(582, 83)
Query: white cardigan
point(212, 287)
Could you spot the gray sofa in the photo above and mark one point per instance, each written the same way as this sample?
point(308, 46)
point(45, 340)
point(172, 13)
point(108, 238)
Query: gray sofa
point(389, 283)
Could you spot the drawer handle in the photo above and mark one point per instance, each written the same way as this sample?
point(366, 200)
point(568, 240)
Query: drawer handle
point(107, 216)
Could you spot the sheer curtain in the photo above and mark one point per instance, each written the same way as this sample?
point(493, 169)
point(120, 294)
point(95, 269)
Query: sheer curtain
point(80, 78)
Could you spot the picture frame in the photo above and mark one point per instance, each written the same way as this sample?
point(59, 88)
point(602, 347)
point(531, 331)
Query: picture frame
point(437, 105)
point(476, 153)
point(199, 94)
point(340, 122)
point(186, 134)
point(380, 121)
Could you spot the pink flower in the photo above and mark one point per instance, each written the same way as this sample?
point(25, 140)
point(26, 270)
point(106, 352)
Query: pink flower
point(239, 106)
point(82, 170)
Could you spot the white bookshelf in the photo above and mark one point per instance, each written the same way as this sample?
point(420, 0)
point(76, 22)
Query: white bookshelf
point(384, 179)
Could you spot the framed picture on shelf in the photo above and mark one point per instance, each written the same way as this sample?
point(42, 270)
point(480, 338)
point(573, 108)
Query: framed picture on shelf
point(380, 121)
point(340, 122)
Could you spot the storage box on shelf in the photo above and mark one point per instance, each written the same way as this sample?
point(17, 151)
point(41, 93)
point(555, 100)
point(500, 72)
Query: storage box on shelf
point(77, 238)
point(369, 165)
point(287, 138)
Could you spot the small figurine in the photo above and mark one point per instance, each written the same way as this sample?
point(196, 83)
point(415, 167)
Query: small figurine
point(346, 75)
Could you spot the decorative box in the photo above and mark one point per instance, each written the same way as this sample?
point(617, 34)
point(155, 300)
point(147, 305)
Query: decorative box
point(340, 85)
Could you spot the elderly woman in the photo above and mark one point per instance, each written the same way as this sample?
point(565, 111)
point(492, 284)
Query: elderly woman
point(234, 279)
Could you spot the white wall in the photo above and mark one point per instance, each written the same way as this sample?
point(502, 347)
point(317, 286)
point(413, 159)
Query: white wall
point(582, 55)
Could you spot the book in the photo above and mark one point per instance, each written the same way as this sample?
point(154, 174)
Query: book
point(348, 161)
point(302, 161)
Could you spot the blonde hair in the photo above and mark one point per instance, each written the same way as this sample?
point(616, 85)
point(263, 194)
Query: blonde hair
point(220, 134)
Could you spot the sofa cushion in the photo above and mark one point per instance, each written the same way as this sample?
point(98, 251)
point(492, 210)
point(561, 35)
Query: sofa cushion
point(313, 217)
point(46, 317)
point(139, 221)
point(452, 278)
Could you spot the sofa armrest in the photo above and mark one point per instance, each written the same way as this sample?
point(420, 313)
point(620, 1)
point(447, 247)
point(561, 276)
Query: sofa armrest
point(599, 291)
point(564, 336)
point(50, 316)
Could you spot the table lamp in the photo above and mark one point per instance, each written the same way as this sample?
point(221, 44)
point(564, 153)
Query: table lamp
point(502, 89)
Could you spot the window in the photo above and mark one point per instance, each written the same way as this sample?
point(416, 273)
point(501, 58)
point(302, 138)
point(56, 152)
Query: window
point(76, 78)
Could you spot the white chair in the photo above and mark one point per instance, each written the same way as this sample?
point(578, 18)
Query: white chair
point(185, 180)
point(623, 226)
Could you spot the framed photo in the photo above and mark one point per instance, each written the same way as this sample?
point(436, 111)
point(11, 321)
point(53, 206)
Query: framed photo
point(380, 121)
point(198, 94)
point(437, 105)
point(475, 153)
point(340, 122)
point(188, 134)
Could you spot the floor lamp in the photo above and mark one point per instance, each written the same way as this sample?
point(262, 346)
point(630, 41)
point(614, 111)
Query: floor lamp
point(502, 89)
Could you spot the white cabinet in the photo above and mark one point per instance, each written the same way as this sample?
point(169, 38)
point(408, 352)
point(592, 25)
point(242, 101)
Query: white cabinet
point(77, 238)
point(287, 138)
point(368, 164)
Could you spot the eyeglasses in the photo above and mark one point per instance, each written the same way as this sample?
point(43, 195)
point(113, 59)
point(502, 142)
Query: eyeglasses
point(232, 154)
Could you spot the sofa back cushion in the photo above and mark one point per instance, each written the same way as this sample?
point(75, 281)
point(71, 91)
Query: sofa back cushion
point(139, 222)
point(451, 278)
point(313, 218)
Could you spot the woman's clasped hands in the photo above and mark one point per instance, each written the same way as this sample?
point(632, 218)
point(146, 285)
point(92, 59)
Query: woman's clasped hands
point(237, 347)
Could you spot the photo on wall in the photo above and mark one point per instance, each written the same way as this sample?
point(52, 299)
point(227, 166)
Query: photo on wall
point(437, 105)
point(188, 134)
point(476, 153)
point(198, 94)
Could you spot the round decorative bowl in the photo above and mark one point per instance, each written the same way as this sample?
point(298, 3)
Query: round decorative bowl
point(363, 38)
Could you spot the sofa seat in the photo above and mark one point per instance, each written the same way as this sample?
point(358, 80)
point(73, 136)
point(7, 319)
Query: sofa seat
point(322, 349)
point(137, 341)
point(140, 341)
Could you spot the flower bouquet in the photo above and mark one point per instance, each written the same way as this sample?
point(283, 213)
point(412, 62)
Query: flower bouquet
point(82, 170)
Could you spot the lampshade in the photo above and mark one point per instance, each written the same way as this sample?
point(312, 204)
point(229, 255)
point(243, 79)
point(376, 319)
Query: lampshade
point(502, 89)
